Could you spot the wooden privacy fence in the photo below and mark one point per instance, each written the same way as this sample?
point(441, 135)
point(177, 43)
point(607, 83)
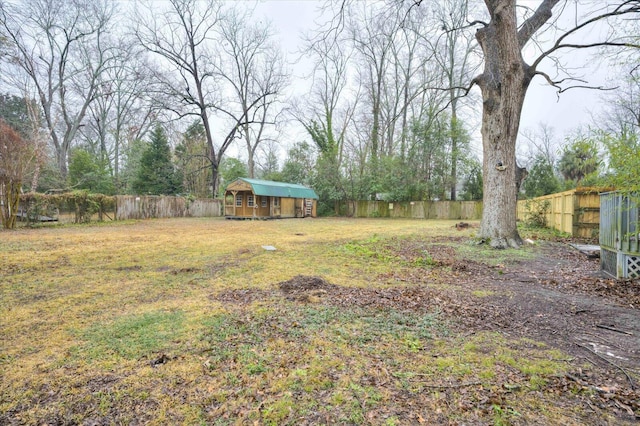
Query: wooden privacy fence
point(146, 207)
point(576, 212)
point(454, 210)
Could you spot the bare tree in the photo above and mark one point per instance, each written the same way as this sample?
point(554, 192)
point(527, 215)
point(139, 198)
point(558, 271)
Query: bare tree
point(199, 39)
point(401, 85)
point(504, 82)
point(540, 143)
point(508, 28)
point(623, 106)
point(253, 68)
point(38, 137)
point(23, 114)
point(454, 54)
point(182, 36)
point(123, 109)
point(373, 33)
point(412, 52)
point(59, 46)
point(326, 111)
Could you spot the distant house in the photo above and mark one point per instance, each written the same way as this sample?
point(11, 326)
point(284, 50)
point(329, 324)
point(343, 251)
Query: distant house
point(263, 199)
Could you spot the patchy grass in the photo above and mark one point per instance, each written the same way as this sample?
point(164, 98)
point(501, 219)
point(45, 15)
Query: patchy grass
point(470, 250)
point(129, 323)
point(539, 233)
point(130, 337)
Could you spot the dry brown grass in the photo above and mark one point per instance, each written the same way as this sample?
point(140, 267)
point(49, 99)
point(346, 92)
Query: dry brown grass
point(124, 323)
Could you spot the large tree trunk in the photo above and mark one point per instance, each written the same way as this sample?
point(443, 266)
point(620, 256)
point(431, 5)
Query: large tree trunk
point(504, 83)
point(498, 224)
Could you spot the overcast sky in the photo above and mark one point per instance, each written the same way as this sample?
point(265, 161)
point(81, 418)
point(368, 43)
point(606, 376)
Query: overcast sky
point(573, 109)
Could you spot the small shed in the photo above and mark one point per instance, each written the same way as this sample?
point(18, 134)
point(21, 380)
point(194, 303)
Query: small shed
point(619, 234)
point(246, 198)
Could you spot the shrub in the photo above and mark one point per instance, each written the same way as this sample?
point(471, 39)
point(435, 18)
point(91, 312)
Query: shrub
point(536, 213)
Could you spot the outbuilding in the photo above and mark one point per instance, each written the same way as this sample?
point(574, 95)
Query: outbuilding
point(246, 198)
point(620, 234)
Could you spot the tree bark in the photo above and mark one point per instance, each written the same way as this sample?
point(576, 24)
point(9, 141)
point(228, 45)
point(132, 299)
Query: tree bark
point(503, 83)
point(10, 191)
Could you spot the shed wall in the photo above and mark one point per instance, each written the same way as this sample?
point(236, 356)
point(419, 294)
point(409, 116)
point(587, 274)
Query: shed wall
point(287, 207)
point(620, 234)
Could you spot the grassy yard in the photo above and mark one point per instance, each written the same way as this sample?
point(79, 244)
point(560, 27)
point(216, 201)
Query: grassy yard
point(186, 321)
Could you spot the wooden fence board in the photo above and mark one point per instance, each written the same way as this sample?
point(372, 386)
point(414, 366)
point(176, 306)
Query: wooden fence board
point(453, 210)
point(147, 207)
point(575, 212)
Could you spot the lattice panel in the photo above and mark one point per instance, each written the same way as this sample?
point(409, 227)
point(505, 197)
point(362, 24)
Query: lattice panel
point(608, 261)
point(633, 266)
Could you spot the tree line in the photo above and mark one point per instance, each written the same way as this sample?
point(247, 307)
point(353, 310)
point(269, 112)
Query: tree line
point(183, 96)
point(98, 99)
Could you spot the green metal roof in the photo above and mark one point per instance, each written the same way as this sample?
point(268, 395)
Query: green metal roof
point(269, 188)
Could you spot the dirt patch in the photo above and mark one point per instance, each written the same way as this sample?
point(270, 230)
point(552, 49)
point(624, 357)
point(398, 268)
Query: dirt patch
point(558, 296)
point(301, 283)
point(242, 296)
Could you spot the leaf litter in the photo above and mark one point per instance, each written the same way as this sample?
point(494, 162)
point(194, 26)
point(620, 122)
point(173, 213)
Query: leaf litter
point(557, 296)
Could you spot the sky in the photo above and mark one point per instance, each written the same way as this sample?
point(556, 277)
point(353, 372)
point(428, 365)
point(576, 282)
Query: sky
point(564, 113)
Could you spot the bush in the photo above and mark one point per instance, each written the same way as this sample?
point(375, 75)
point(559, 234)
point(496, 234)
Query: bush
point(81, 203)
point(536, 213)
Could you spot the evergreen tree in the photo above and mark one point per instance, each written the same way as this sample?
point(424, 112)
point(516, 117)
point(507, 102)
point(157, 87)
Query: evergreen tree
point(86, 171)
point(230, 170)
point(131, 165)
point(13, 110)
point(579, 160)
point(541, 179)
point(157, 174)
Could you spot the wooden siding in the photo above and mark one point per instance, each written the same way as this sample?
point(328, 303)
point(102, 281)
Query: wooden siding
point(287, 207)
point(239, 185)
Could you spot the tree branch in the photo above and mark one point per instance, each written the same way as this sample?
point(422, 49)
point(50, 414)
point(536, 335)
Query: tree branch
point(633, 7)
point(536, 21)
point(557, 84)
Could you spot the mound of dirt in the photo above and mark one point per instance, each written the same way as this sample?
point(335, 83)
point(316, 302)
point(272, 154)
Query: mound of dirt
point(303, 283)
point(304, 288)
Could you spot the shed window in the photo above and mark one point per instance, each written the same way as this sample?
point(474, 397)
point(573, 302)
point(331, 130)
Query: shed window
point(239, 200)
point(276, 201)
point(249, 200)
point(263, 201)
